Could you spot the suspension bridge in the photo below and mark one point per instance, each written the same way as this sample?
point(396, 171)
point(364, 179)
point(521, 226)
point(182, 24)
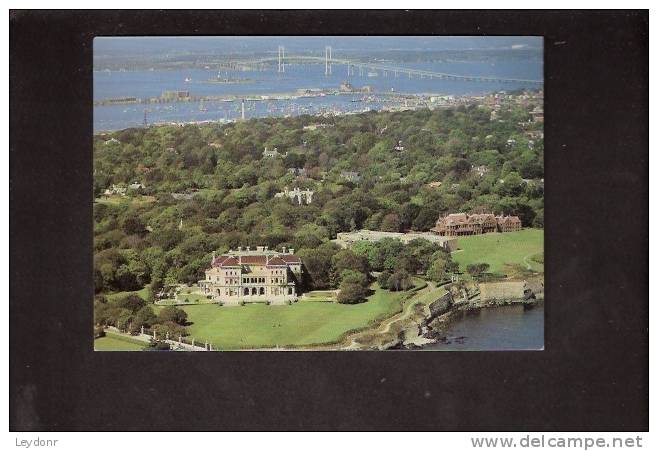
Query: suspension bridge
point(352, 67)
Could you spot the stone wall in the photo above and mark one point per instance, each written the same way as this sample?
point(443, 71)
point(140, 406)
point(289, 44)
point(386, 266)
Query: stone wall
point(440, 306)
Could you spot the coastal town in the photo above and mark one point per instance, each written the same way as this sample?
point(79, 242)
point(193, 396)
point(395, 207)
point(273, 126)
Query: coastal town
point(335, 102)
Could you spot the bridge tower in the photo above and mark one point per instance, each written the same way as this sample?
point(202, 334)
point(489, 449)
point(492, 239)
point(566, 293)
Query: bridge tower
point(327, 60)
point(281, 57)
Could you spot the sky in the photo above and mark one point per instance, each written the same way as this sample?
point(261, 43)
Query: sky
point(127, 46)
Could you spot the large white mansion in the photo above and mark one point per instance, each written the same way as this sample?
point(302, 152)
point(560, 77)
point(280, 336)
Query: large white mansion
point(253, 275)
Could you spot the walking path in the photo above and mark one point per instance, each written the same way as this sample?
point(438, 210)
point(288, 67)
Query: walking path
point(175, 345)
point(425, 296)
point(527, 263)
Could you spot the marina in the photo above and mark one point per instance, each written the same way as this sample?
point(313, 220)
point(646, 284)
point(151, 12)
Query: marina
point(122, 97)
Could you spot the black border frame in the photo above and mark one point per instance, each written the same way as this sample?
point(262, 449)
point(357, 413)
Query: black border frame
point(593, 375)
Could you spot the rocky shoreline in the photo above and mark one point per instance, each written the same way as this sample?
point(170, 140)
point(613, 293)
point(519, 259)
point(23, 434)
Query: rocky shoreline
point(442, 313)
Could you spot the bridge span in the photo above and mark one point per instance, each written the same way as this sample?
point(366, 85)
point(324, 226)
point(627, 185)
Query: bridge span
point(368, 68)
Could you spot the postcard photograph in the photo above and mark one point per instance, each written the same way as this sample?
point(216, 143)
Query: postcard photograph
point(318, 193)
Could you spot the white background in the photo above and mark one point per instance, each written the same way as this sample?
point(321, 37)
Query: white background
point(266, 441)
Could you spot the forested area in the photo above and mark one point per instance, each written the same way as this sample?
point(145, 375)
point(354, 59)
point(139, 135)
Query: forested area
point(150, 237)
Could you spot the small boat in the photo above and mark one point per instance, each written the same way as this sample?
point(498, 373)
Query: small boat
point(188, 79)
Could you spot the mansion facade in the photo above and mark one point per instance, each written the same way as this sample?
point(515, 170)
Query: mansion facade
point(460, 224)
point(253, 275)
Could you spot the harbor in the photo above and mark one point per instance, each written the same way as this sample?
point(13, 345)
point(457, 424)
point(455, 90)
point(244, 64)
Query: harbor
point(125, 98)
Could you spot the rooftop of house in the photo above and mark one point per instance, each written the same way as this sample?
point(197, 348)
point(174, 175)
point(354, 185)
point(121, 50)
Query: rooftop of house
point(508, 219)
point(259, 256)
point(477, 218)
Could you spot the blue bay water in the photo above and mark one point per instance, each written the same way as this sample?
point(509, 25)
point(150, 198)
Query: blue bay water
point(146, 84)
point(508, 328)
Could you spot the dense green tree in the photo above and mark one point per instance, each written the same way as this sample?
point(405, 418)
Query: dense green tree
point(437, 270)
point(143, 317)
point(384, 278)
point(131, 302)
point(391, 223)
point(477, 269)
point(351, 276)
point(133, 225)
point(137, 239)
point(345, 259)
point(173, 314)
point(400, 280)
point(351, 292)
point(318, 265)
point(171, 329)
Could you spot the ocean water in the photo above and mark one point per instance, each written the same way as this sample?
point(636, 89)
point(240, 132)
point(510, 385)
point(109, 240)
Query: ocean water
point(145, 84)
point(508, 328)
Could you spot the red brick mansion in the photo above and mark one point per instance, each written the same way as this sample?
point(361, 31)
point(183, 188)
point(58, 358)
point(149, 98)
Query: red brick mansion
point(460, 224)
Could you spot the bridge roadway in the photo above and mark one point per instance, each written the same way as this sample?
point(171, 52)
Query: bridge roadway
point(386, 69)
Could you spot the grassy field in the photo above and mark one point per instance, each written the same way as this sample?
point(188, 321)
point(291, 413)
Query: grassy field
point(112, 342)
point(498, 249)
point(428, 296)
point(143, 293)
point(303, 323)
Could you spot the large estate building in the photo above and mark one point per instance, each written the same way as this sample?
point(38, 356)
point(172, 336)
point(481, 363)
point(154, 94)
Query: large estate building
point(459, 224)
point(305, 195)
point(253, 275)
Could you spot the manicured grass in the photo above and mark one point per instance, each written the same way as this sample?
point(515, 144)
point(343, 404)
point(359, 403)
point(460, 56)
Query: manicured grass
point(143, 293)
point(428, 296)
point(302, 323)
point(536, 262)
point(497, 249)
point(112, 342)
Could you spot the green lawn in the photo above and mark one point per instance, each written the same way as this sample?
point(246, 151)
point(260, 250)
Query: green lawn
point(143, 293)
point(497, 249)
point(112, 342)
point(429, 296)
point(302, 323)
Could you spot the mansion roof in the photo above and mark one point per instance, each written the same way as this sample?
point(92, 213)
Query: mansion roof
point(478, 218)
point(463, 218)
point(267, 260)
